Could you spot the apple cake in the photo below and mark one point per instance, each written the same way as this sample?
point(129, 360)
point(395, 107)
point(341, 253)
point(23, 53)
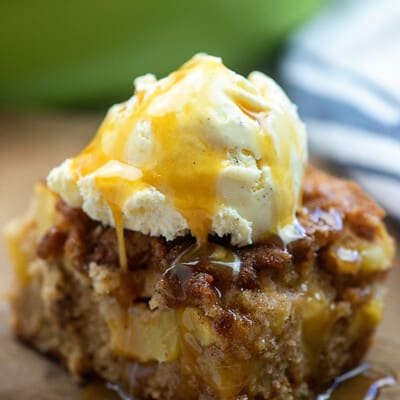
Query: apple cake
point(188, 252)
point(179, 323)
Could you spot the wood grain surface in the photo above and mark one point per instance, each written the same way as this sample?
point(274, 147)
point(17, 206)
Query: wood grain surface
point(29, 146)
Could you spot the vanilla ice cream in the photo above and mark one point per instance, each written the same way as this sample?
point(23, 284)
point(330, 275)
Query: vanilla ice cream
point(203, 150)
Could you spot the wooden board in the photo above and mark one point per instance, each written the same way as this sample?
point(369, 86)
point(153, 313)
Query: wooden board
point(29, 146)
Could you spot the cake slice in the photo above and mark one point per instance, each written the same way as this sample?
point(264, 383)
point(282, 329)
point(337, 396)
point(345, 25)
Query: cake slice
point(188, 253)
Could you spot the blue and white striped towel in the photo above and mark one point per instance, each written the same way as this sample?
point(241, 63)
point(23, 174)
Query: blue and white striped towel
point(343, 71)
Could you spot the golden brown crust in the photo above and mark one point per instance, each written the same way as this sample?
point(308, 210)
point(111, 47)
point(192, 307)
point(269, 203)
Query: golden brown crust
point(331, 208)
point(323, 191)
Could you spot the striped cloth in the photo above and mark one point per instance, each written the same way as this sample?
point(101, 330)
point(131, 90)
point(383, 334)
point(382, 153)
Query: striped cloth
point(343, 71)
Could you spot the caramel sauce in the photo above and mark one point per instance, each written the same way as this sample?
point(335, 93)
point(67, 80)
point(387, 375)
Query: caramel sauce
point(184, 157)
point(116, 186)
point(186, 171)
point(98, 390)
point(362, 383)
point(179, 159)
point(207, 256)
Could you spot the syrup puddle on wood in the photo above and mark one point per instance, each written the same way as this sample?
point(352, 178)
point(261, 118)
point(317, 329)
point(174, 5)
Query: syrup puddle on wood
point(99, 390)
point(362, 383)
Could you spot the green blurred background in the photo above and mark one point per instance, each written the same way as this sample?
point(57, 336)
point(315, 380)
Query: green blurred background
point(85, 53)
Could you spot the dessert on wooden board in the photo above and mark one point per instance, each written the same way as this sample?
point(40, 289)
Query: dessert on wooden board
point(190, 251)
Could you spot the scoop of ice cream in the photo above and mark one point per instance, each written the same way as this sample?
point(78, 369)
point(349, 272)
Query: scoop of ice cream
point(203, 150)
